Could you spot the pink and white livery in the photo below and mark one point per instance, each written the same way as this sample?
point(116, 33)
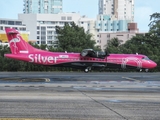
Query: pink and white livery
point(87, 60)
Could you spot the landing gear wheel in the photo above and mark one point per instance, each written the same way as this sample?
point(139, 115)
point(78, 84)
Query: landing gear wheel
point(86, 70)
point(146, 70)
point(140, 70)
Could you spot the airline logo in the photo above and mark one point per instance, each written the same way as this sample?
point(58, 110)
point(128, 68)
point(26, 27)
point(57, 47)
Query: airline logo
point(38, 58)
point(15, 40)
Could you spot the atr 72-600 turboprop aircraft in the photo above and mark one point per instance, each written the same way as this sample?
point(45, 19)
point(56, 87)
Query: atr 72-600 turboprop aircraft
point(87, 60)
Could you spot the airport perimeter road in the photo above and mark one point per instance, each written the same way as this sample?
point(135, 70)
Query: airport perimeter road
point(115, 96)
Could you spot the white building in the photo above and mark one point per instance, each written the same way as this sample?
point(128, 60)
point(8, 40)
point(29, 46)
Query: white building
point(89, 26)
point(12, 23)
point(42, 26)
point(118, 9)
point(18, 24)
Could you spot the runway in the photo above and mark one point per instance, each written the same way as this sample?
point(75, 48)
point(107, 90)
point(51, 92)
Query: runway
point(79, 96)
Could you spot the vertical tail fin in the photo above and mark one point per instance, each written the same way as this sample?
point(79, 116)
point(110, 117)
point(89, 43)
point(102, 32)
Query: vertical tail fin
point(16, 42)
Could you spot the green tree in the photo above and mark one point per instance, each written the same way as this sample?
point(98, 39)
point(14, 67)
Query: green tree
point(113, 46)
point(154, 34)
point(73, 38)
point(155, 24)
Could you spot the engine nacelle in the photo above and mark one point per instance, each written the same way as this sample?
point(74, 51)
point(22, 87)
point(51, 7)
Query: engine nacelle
point(85, 52)
point(92, 53)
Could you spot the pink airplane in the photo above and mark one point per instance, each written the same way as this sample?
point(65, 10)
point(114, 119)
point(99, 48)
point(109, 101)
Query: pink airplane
point(87, 60)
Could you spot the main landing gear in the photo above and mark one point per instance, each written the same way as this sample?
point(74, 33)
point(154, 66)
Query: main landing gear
point(87, 69)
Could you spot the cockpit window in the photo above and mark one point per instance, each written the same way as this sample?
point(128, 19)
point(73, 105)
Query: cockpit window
point(145, 58)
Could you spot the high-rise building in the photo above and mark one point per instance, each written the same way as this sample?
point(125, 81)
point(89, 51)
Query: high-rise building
point(42, 6)
point(118, 9)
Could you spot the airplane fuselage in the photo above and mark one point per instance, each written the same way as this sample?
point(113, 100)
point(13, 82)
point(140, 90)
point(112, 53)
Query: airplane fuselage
point(87, 60)
point(76, 60)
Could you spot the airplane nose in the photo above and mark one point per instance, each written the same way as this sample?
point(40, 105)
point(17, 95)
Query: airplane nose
point(154, 64)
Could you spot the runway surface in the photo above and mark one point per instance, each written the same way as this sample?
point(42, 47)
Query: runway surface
point(79, 96)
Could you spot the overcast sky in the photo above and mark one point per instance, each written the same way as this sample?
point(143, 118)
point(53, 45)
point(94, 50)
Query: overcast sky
point(143, 9)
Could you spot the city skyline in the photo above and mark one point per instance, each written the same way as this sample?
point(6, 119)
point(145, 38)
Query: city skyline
point(143, 10)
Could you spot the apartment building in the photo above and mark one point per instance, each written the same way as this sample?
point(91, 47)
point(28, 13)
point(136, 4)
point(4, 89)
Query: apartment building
point(42, 6)
point(122, 36)
point(89, 26)
point(117, 9)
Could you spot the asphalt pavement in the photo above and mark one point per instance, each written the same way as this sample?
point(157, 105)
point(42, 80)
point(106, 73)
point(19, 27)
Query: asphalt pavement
point(79, 96)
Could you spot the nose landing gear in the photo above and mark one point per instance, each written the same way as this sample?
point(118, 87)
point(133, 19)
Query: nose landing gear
point(146, 70)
